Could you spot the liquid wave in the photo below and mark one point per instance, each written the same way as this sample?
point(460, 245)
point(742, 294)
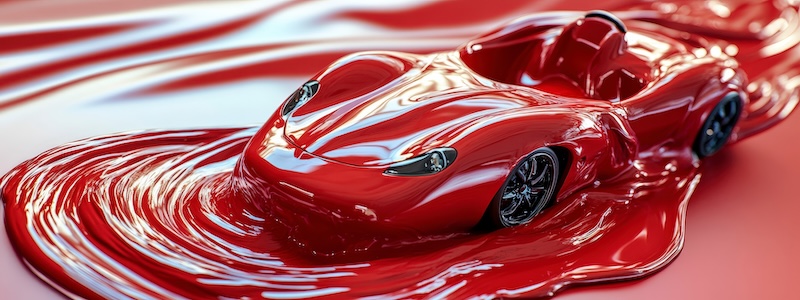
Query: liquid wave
point(178, 231)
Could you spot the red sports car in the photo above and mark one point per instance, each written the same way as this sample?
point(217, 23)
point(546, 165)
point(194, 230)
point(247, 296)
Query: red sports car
point(382, 148)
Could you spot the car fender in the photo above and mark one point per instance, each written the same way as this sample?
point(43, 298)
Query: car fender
point(489, 148)
point(723, 81)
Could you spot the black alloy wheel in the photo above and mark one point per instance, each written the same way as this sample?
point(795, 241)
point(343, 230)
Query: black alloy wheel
point(529, 188)
point(718, 126)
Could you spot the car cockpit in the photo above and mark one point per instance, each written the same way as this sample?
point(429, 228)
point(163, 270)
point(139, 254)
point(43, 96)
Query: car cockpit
point(586, 58)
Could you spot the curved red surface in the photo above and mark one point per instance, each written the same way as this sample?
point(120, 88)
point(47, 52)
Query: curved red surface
point(605, 98)
point(194, 68)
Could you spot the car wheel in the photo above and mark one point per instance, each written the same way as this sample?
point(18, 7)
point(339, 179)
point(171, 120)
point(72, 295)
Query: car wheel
point(718, 126)
point(529, 188)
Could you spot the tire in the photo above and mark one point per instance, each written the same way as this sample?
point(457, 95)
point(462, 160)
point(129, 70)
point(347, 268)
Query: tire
point(528, 189)
point(718, 126)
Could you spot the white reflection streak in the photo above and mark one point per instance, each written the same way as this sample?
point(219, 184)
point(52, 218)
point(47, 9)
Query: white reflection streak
point(179, 21)
point(120, 189)
point(593, 233)
point(304, 294)
point(434, 283)
point(252, 35)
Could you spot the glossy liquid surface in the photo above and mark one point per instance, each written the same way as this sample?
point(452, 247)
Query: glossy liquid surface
point(157, 210)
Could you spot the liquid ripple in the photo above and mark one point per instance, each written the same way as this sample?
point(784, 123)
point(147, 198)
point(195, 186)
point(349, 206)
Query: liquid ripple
point(152, 215)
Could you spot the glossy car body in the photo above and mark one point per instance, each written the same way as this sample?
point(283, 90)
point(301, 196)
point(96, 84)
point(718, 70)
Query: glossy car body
point(600, 95)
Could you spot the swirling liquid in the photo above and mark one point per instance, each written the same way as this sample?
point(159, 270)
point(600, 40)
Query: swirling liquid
point(154, 214)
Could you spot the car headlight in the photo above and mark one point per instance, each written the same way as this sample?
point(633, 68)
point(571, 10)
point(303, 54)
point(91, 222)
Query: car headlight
point(300, 96)
point(432, 162)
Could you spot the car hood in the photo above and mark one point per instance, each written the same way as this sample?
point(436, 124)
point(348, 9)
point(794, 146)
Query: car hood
point(421, 110)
